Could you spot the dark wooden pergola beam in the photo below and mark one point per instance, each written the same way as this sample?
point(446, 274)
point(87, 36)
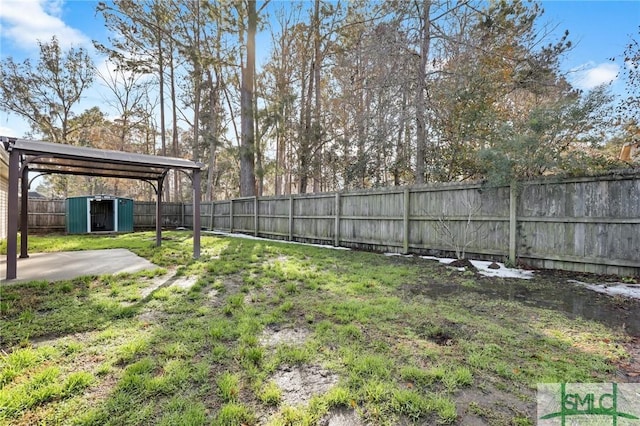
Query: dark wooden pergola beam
point(52, 158)
point(109, 174)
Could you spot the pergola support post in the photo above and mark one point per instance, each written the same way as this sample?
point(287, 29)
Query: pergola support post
point(12, 215)
point(54, 158)
point(196, 214)
point(159, 212)
point(24, 213)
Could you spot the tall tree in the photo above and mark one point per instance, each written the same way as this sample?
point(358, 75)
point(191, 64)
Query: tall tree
point(425, 45)
point(127, 97)
point(128, 93)
point(140, 45)
point(247, 145)
point(628, 109)
point(552, 138)
point(355, 94)
point(281, 97)
point(45, 94)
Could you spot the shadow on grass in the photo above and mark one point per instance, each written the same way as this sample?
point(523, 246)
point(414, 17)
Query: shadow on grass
point(42, 310)
point(400, 354)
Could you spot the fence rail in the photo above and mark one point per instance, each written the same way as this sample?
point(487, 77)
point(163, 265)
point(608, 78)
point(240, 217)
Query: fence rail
point(589, 224)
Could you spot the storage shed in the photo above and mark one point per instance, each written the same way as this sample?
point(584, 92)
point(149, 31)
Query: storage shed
point(99, 213)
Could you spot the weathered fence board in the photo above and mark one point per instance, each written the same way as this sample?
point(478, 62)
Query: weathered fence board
point(144, 215)
point(273, 217)
point(589, 224)
point(46, 215)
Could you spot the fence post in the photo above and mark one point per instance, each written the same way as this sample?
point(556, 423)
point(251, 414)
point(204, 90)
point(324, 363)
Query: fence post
point(405, 222)
point(255, 216)
point(212, 221)
point(336, 232)
point(513, 209)
point(231, 216)
point(290, 217)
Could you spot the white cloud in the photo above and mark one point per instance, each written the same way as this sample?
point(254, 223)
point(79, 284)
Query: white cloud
point(53, 7)
point(11, 132)
point(590, 75)
point(25, 22)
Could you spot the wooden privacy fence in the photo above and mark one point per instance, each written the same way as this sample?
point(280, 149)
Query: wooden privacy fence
point(587, 224)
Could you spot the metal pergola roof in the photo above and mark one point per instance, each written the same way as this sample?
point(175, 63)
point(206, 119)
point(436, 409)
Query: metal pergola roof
point(54, 158)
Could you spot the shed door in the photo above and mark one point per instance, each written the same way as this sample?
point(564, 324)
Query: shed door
point(77, 215)
point(102, 215)
point(125, 215)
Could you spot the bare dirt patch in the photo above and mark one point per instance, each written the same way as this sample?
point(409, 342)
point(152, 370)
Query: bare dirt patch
point(101, 391)
point(232, 284)
point(491, 406)
point(212, 295)
point(184, 283)
point(629, 370)
point(442, 338)
point(48, 340)
point(155, 284)
point(272, 336)
point(341, 417)
point(301, 383)
point(150, 316)
point(280, 259)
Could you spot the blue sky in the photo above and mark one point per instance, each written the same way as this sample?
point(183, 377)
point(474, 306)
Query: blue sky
point(600, 30)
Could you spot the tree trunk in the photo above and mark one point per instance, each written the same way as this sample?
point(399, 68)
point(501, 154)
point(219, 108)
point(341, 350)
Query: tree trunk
point(174, 130)
point(282, 114)
point(197, 84)
point(421, 133)
point(163, 128)
point(317, 127)
point(399, 142)
point(259, 169)
point(213, 132)
point(196, 113)
point(303, 134)
point(247, 146)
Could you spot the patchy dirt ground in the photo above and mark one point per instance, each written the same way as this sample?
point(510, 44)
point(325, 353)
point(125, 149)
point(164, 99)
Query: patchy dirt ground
point(300, 383)
point(378, 338)
point(557, 290)
point(341, 417)
point(629, 370)
point(274, 336)
point(486, 404)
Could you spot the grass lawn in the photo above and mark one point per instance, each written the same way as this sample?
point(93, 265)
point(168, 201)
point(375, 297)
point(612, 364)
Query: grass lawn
point(259, 332)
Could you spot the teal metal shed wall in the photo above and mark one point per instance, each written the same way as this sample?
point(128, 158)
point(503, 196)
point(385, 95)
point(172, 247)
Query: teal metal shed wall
point(77, 215)
point(125, 215)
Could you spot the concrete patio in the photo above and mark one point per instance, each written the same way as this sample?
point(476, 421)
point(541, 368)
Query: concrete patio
point(73, 264)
